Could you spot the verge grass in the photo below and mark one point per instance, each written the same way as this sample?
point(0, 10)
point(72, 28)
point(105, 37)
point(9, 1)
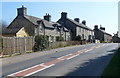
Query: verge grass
point(113, 68)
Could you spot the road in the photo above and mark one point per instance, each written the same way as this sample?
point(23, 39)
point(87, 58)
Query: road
point(87, 60)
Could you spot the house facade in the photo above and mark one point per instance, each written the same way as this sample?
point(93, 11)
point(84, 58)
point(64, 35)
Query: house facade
point(31, 26)
point(101, 35)
point(76, 28)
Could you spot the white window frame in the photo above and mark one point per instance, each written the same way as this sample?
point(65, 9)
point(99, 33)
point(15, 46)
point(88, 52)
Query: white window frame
point(40, 28)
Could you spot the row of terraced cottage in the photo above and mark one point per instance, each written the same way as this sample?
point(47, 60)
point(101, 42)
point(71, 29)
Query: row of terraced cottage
point(64, 29)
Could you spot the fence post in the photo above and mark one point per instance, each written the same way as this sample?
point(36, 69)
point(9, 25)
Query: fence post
point(13, 46)
point(18, 42)
point(25, 43)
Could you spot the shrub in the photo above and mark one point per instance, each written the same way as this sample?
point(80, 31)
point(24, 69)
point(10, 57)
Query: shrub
point(103, 42)
point(78, 38)
point(1, 43)
point(41, 42)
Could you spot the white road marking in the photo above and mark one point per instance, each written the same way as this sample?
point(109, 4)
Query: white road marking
point(63, 56)
point(88, 50)
point(97, 46)
point(73, 56)
point(60, 58)
point(43, 65)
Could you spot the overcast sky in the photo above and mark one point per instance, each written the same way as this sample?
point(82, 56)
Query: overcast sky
point(95, 13)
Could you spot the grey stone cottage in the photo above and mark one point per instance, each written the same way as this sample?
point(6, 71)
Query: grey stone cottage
point(26, 25)
point(116, 38)
point(76, 28)
point(101, 35)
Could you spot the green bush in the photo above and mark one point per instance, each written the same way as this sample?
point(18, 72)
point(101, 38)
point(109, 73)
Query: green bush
point(1, 43)
point(103, 42)
point(41, 43)
point(78, 38)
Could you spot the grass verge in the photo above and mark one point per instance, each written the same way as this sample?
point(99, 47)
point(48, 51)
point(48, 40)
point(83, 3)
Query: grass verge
point(113, 68)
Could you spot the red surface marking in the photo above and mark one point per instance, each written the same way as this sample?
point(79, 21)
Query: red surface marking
point(23, 73)
point(90, 48)
point(82, 51)
point(8, 77)
point(75, 53)
point(52, 62)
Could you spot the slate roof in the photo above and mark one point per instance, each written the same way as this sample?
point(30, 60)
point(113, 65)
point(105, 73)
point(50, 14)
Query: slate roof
point(59, 25)
point(79, 24)
point(48, 24)
point(53, 23)
point(105, 32)
point(32, 19)
point(35, 19)
point(10, 30)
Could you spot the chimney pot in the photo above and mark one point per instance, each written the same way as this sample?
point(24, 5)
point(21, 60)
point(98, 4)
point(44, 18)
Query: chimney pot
point(84, 22)
point(77, 20)
point(102, 28)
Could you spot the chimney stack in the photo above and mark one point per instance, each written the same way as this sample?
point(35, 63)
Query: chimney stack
point(47, 17)
point(63, 15)
point(96, 27)
point(22, 11)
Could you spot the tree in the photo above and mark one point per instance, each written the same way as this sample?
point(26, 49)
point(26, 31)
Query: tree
point(3, 24)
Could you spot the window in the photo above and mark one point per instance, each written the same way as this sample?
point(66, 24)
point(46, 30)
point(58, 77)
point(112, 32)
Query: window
point(82, 36)
point(36, 31)
point(51, 38)
point(56, 30)
point(61, 30)
point(83, 30)
point(41, 28)
point(79, 29)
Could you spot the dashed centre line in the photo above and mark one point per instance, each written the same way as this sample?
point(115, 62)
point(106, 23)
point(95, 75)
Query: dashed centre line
point(43, 66)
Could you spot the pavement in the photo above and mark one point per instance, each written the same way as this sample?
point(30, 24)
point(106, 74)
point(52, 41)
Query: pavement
point(79, 60)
